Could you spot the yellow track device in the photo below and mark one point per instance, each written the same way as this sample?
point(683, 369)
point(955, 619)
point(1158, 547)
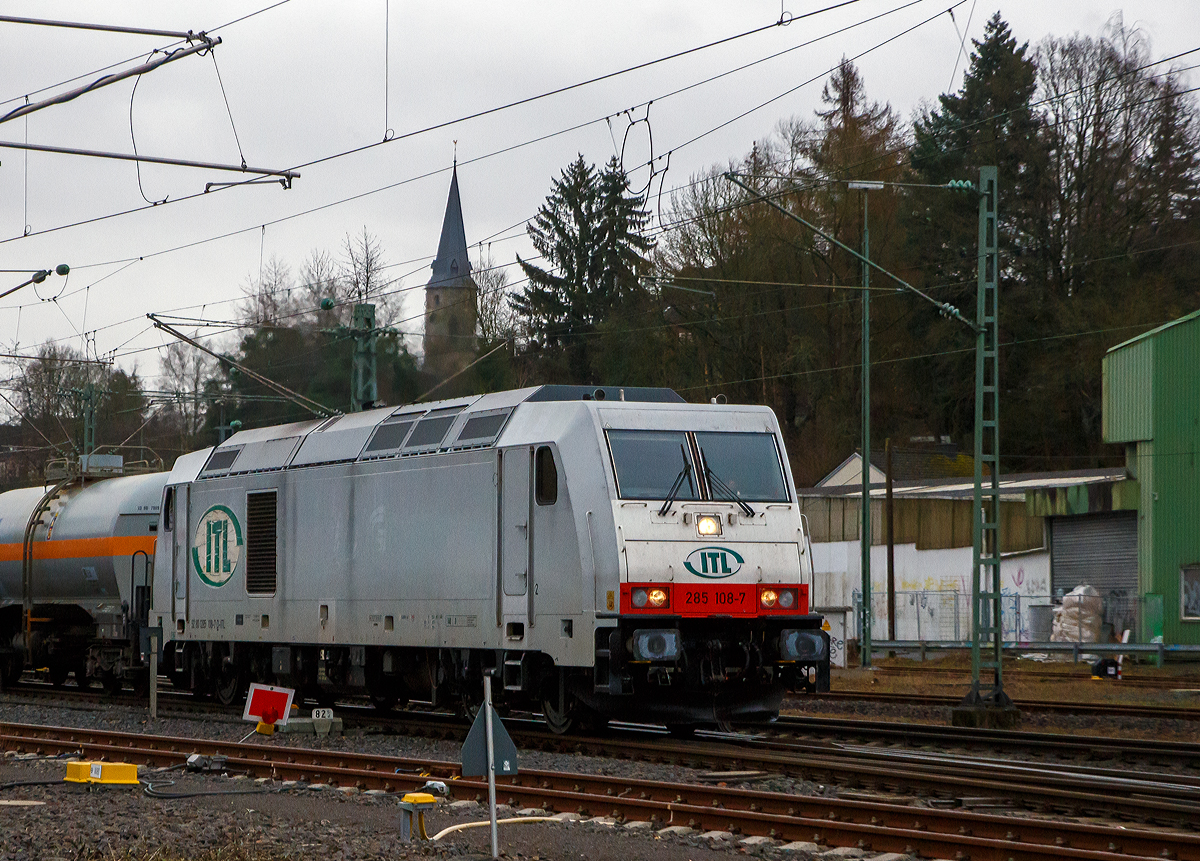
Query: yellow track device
point(118, 773)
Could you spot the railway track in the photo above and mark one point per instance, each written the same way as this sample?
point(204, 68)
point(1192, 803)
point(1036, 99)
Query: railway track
point(873, 825)
point(1101, 709)
point(802, 734)
point(959, 676)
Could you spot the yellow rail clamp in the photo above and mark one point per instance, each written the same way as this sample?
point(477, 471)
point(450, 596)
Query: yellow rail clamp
point(117, 773)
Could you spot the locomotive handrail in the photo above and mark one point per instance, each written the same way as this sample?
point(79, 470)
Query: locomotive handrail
point(27, 555)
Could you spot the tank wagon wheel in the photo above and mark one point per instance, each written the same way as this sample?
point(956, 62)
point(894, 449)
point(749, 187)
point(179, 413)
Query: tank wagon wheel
point(10, 671)
point(112, 682)
point(58, 672)
point(81, 676)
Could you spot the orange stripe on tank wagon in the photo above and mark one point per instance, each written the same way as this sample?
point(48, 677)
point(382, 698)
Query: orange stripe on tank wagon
point(82, 548)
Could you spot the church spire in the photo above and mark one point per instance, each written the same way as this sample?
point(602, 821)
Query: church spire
point(452, 262)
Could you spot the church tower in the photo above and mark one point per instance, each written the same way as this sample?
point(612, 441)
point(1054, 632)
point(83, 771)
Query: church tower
point(451, 297)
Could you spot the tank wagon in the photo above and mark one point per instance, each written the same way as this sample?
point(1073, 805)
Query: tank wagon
point(75, 574)
point(604, 552)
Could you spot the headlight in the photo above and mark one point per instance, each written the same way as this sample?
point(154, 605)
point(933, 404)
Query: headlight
point(655, 644)
point(787, 598)
point(768, 597)
point(639, 598)
point(797, 645)
point(708, 524)
point(658, 597)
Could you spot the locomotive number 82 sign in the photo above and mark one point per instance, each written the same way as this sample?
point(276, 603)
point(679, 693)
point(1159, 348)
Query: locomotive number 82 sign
point(217, 545)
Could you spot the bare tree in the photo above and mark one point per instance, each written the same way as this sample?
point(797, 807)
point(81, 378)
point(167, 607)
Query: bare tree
point(363, 272)
point(185, 370)
point(272, 297)
point(497, 320)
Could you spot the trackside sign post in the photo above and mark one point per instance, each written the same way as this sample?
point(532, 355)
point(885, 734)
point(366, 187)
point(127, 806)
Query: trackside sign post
point(268, 705)
point(489, 750)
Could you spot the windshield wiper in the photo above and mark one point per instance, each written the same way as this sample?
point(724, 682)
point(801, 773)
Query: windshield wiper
point(683, 473)
point(714, 481)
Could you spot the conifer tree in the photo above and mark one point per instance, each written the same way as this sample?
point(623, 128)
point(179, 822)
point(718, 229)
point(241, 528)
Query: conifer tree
point(589, 233)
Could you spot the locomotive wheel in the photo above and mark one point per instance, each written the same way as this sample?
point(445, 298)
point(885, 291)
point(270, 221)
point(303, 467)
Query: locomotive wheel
point(383, 700)
point(228, 687)
point(575, 718)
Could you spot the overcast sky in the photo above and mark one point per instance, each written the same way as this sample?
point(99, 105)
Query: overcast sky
point(306, 81)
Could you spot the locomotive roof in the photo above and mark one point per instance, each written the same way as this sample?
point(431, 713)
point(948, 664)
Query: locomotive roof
point(475, 421)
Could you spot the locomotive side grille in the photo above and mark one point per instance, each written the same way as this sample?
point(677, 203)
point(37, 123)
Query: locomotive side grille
point(261, 543)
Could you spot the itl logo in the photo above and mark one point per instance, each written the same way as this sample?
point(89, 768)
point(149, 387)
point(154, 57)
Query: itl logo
point(714, 563)
point(217, 545)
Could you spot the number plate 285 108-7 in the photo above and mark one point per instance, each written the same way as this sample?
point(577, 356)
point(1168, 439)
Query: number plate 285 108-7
point(712, 599)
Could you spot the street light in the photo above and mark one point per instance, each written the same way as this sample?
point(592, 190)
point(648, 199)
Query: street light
point(866, 187)
point(38, 277)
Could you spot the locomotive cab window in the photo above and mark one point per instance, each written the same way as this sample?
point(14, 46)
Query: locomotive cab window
point(546, 478)
point(648, 464)
point(168, 509)
point(742, 466)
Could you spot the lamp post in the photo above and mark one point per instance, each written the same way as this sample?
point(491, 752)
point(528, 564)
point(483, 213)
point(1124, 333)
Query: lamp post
point(865, 541)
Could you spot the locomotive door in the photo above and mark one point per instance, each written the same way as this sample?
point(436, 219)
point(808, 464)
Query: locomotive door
point(514, 522)
point(180, 524)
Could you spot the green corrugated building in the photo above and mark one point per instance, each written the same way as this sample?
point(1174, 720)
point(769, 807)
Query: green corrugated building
point(1152, 405)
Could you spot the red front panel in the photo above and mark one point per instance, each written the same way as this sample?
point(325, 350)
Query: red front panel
point(710, 599)
point(713, 599)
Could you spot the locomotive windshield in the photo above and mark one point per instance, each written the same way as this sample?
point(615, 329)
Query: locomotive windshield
point(648, 463)
point(747, 464)
point(738, 467)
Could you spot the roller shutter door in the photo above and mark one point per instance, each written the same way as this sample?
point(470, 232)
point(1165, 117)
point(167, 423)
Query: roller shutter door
point(1097, 549)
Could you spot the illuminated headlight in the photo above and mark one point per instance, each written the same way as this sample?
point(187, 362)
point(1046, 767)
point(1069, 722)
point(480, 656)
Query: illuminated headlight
point(787, 598)
point(658, 597)
point(768, 597)
point(708, 524)
point(797, 645)
point(655, 644)
point(639, 598)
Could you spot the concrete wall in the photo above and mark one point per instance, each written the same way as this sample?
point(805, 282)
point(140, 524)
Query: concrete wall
point(933, 589)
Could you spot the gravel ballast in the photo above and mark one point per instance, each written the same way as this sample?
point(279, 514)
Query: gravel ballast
point(272, 820)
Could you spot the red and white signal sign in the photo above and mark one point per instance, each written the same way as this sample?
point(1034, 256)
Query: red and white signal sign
point(268, 704)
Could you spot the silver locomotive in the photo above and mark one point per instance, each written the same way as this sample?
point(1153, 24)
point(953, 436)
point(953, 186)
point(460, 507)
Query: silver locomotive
point(602, 552)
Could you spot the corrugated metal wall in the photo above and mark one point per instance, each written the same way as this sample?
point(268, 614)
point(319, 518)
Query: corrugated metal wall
point(1100, 550)
point(931, 524)
point(1127, 392)
point(1174, 493)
